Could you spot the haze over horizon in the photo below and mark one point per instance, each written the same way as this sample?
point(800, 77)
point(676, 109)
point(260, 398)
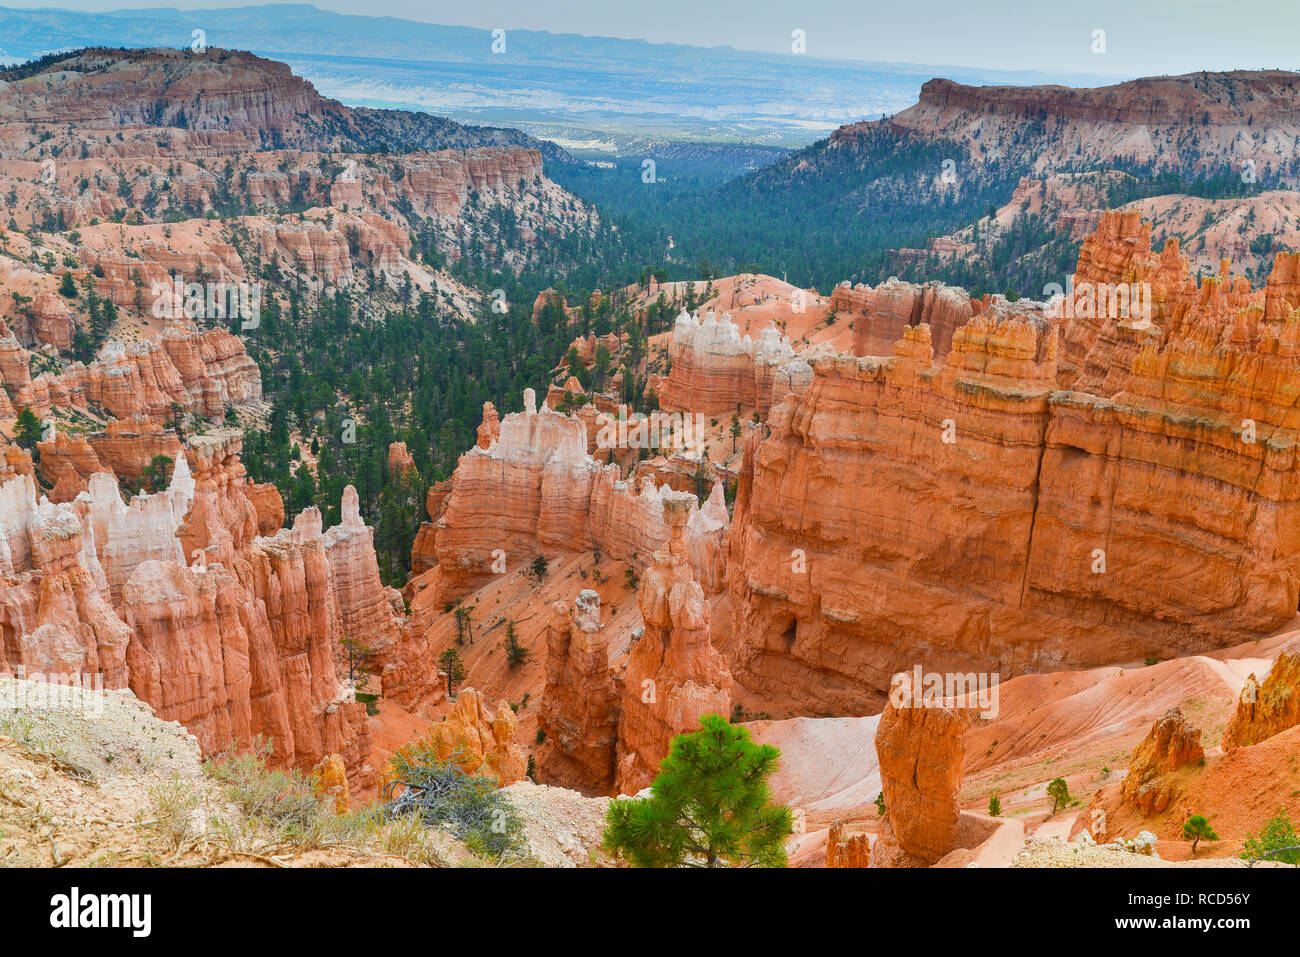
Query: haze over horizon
point(1142, 37)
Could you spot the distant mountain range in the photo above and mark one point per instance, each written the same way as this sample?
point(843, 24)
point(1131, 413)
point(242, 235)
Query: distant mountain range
point(590, 94)
point(866, 201)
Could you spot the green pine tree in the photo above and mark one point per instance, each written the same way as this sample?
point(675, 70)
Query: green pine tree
point(1059, 792)
point(710, 806)
point(157, 475)
point(1196, 829)
point(27, 429)
point(1276, 841)
point(449, 661)
point(516, 654)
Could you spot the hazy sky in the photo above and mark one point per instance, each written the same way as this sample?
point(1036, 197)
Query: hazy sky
point(1142, 37)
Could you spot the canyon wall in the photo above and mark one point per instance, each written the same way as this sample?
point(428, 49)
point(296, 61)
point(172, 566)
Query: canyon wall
point(200, 371)
point(529, 487)
point(970, 515)
point(714, 370)
point(180, 597)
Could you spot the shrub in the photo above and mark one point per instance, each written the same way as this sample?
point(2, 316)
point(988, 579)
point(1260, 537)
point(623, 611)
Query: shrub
point(539, 567)
point(1196, 829)
point(469, 806)
point(1278, 838)
point(1059, 792)
point(284, 800)
point(516, 654)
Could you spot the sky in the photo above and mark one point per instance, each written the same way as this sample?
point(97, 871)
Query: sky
point(1139, 38)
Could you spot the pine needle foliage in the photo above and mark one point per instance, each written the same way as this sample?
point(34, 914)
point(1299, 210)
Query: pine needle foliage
point(710, 806)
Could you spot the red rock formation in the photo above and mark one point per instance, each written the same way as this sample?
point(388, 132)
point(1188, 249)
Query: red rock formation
point(1098, 345)
point(330, 780)
point(477, 740)
point(243, 644)
point(69, 461)
point(1172, 744)
point(371, 613)
point(534, 489)
point(807, 624)
point(879, 315)
point(581, 702)
point(586, 346)
point(399, 460)
point(853, 850)
point(50, 321)
point(14, 363)
point(489, 429)
point(714, 369)
point(15, 461)
point(269, 507)
point(424, 550)
point(127, 446)
point(202, 372)
point(920, 745)
point(54, 615)
point(674, 676)
point(1264, 710)
point(1158, 520)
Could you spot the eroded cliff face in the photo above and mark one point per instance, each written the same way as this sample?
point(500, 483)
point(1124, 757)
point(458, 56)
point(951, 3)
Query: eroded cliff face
point(674, 676)
point(714, 369)
point(582, 700)
point(969, 515)
point(1238, 115)
point(880, 314)
point(55, 618)
point(199, 371)
point(1267, 709)
point(529, 487)
point(842, 549)
point(181, 597)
